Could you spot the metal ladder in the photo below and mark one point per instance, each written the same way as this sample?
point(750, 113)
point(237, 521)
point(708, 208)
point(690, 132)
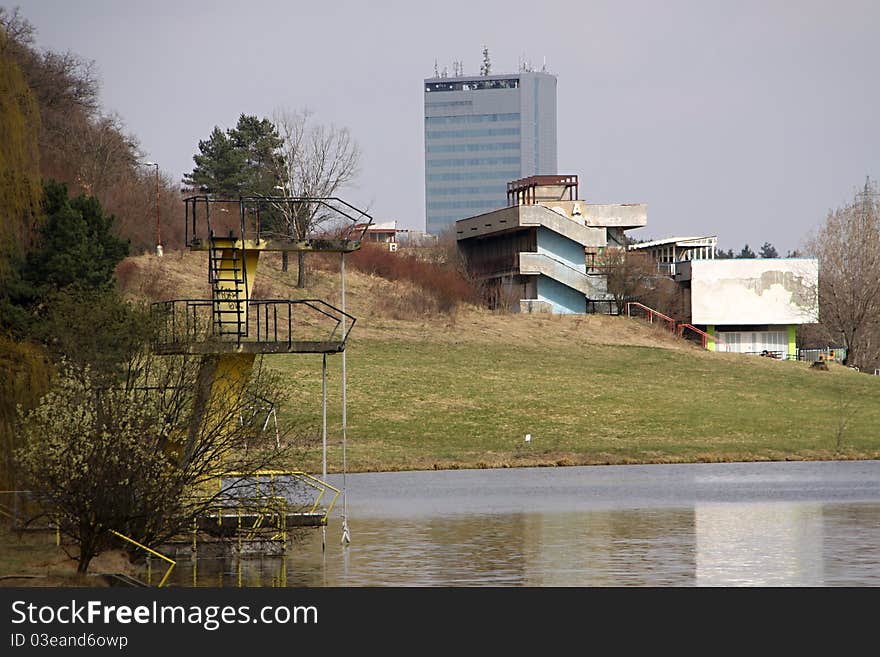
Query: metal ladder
point(228, 278)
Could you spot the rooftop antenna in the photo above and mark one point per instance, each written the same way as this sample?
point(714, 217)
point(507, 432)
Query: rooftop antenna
point(436, 74)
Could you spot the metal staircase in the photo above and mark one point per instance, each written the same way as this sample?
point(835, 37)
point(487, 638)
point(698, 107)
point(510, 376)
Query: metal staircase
point(227, 275)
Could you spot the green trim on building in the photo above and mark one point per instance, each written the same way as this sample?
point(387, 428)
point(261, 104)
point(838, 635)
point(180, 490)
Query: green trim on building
point(792, 341)
point(710, 343)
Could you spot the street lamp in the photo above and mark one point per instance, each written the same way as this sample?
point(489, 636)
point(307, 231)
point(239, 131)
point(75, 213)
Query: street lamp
point(158, 225)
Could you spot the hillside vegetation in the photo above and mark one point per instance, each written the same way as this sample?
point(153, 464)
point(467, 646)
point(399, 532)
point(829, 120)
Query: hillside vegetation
point(431, 390)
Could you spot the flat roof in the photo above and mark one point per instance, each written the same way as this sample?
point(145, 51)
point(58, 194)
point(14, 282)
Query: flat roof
point(673, 240)
point(491, 76)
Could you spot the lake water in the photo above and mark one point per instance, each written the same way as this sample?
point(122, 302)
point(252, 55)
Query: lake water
point(739, 524)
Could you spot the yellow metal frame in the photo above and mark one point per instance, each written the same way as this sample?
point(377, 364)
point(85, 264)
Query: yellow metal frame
point(150, 551)
point(306, 478)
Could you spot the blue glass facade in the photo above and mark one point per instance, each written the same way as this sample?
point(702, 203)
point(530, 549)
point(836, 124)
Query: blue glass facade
point(481, 133)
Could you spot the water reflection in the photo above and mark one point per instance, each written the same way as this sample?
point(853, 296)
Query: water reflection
point(787, 542)
point(759, 544)
point(711, 545)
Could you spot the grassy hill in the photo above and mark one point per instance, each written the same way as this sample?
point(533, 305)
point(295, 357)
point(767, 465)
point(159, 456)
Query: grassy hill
point(429, 390)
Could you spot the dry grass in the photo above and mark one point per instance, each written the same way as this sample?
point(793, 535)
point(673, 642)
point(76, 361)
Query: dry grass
point(372, 299)
point(32, 558)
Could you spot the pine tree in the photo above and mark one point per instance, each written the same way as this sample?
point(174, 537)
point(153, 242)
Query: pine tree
point(77, 245)
point(768, 251)
point(242, 161)
point(219, 167)
point(746, 252)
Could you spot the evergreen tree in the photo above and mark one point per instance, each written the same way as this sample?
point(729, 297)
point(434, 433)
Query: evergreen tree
point(746, 252)
point(242, 161)
point(768, 251)
point(219, 169)
point(77, 246)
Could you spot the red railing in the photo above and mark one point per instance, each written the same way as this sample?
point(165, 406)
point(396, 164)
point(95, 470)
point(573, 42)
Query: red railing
point(651, 314)
point(705, 337)
point(671, 324)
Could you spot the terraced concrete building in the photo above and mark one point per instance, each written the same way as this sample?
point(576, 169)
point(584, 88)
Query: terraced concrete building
point(542, 253)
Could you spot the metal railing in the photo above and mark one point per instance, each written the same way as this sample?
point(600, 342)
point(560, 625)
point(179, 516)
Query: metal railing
point(822, 353)
point(267, 321)
point(152, 552)
point(269, 492)
point(704, 337)
point(635, 309)
point(602, 307)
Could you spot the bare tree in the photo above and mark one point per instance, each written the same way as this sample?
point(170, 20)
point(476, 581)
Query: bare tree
point(317, 161)
point(119, 458)
point(629, 275)
point(848, 248)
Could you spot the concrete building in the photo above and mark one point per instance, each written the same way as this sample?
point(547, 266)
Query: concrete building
point(751, 305)
point(539, 254)
point(668, 251)
point(480, 133)
point(744, 305)
point(389, 234)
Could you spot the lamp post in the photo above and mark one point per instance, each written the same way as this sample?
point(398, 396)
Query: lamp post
point(159, 249)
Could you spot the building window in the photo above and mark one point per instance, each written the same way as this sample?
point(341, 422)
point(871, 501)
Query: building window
point(477, 132)
point(472, 85)
point(504, 176)
point(466, 148)
point(471, 162)
point(470, 118)
point(455, 191)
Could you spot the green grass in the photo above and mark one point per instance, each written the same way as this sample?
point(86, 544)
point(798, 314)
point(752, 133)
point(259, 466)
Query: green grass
point(462, 390)
point(417, 405)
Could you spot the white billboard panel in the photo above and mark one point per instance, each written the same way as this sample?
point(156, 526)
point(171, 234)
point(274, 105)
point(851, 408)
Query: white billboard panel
point(755, 291)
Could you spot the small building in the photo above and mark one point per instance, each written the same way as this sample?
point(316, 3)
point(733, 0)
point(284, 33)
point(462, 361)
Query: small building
point(751, 305)
point(388, 233)
point(540, 253)
point(666, 252)
point(384, 232)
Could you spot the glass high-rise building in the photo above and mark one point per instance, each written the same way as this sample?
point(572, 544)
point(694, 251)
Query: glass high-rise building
point(481, 133)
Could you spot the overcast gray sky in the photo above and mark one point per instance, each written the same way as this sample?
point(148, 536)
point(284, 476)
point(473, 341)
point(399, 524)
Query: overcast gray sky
point(745, 119)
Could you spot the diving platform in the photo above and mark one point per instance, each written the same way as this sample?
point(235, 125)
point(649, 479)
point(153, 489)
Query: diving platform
point(280, 244)
point(261, 326)
point(231, 523)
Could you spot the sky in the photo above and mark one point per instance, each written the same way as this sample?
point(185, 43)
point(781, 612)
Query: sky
point(748, 120)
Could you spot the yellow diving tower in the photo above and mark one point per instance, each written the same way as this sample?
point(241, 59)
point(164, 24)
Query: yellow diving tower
point(230, 328)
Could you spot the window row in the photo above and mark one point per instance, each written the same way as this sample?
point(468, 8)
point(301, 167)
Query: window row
point(472, 85)
point(479, 132)
point(498, 188)
point(505, 176)
point(463, 148)
point(465, 205)
point(450, 103)
point(470, 118)
point(471, 162)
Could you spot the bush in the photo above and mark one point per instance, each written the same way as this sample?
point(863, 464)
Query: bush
point(439, 283)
